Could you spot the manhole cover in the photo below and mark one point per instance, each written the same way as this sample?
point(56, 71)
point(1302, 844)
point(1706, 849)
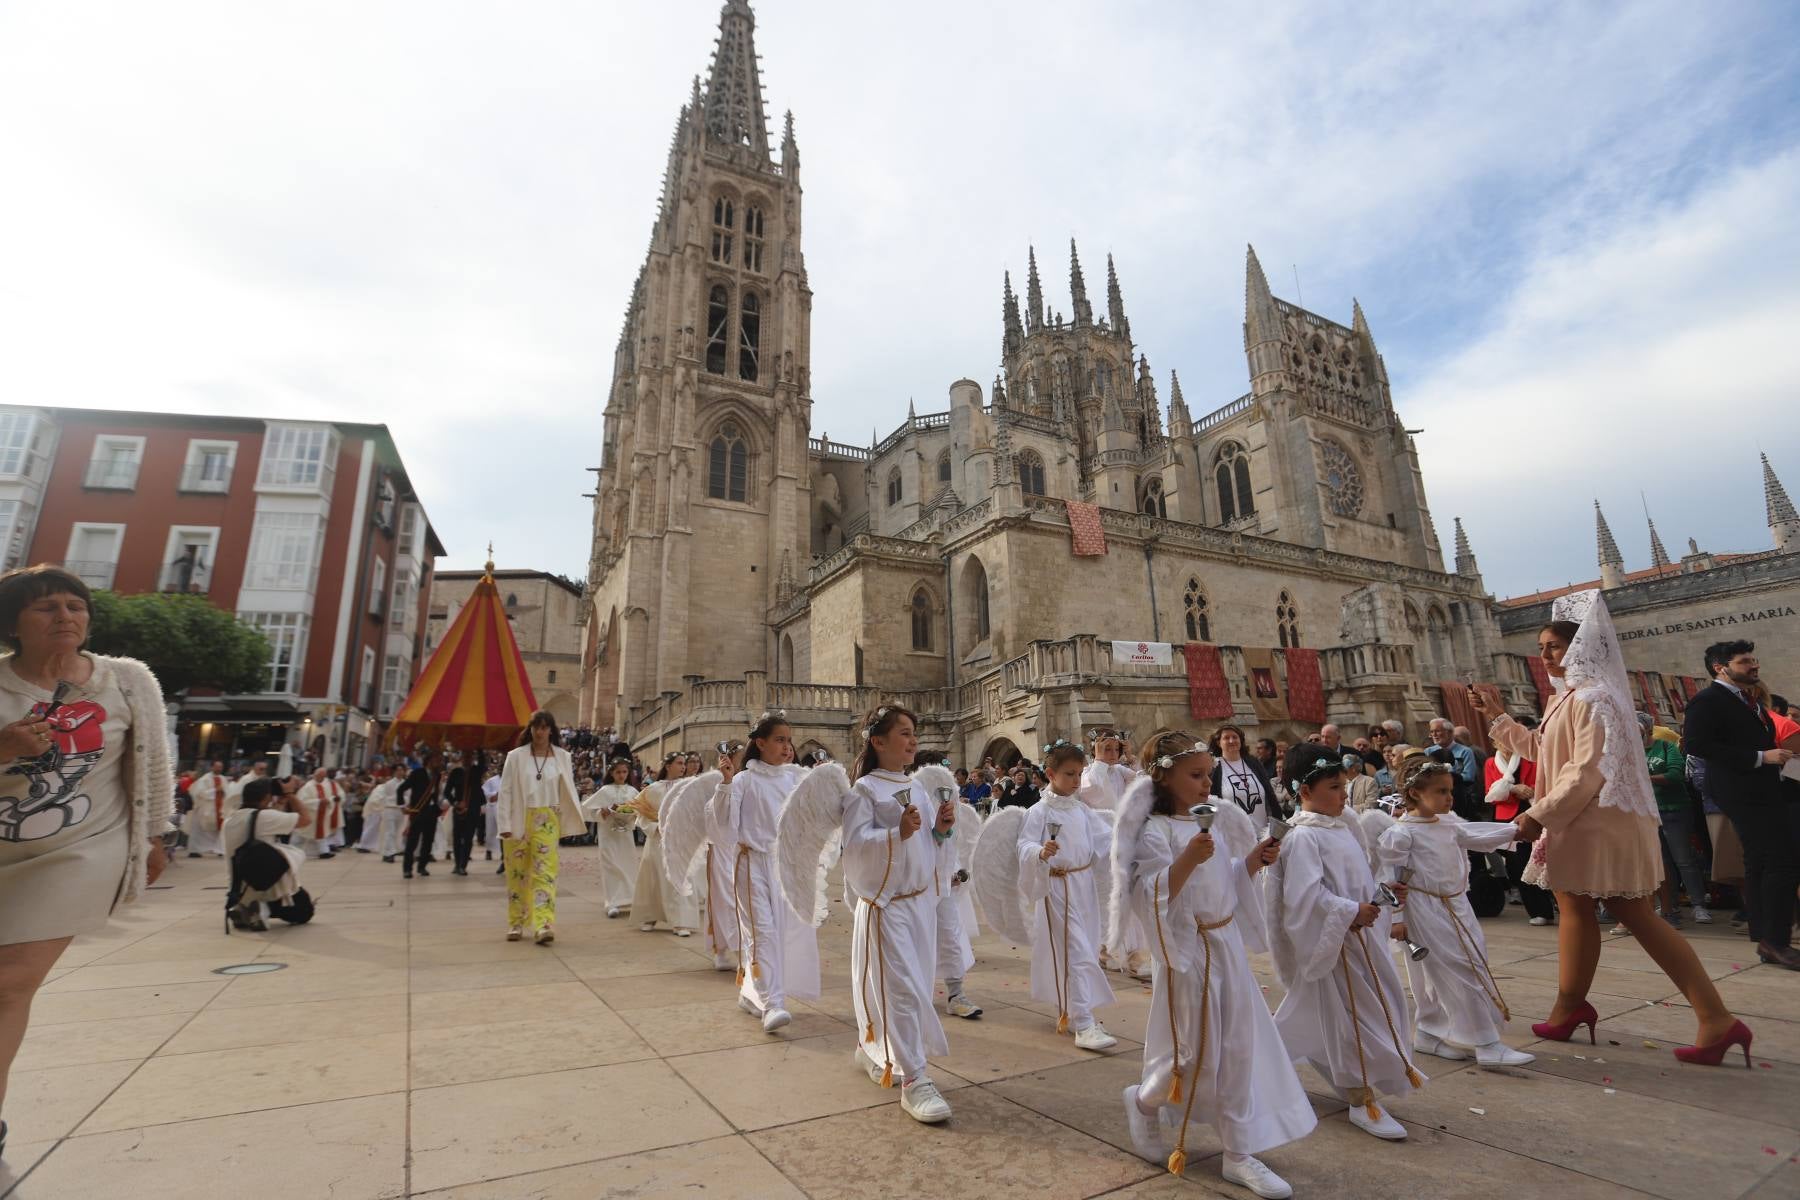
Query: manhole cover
point(256, 968)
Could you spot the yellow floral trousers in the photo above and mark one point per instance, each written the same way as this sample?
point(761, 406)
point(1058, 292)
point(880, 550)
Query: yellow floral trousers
point(531, 872)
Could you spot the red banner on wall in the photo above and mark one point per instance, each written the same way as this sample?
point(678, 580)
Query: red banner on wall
point(1209, 696)
point(1306, 692)
point(1085, 532)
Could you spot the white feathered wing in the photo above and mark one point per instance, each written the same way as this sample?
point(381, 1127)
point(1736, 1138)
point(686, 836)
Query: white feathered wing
point(806, 838)
point(684, 829)
point(995, 875)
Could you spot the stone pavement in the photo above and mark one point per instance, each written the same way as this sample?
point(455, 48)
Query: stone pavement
point(408, 1050)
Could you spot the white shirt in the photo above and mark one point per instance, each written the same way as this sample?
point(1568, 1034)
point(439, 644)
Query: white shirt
point(757, 793)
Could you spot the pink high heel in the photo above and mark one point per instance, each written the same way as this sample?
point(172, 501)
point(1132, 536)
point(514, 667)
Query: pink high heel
point(1585, 1015)
point(1710, 1055)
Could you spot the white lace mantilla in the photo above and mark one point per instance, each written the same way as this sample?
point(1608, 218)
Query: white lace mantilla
point(1594, 671)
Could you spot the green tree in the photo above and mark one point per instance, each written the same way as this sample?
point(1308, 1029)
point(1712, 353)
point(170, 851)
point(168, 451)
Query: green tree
point(186, 640)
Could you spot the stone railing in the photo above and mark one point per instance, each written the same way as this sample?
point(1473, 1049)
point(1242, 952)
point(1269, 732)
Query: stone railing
point(1364, 663)
point(828, 449)
point(795, 697)
point(1219, 416)
point(716, 693)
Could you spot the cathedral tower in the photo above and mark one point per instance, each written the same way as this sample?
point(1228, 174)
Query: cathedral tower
point(704, 448)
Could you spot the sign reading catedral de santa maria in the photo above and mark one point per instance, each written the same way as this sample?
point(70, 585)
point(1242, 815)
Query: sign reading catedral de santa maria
point(1743, 618)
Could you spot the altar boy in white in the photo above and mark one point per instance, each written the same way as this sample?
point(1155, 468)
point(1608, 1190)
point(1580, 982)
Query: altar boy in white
point(1344, 1011)
point(1460, 1006)
point(1211, 1051)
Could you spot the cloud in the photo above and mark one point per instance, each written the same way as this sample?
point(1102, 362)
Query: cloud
point(431, 214)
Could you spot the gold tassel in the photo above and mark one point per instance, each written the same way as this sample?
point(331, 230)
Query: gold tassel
point(1178, 1162)
point(1062, 1023)
point(1414, 1078)
point(869, 1031)
point(1372, 1110)
point(740, 977)
point(1505, 1013)
point(756, 970)
point(887, 1076)
point(1175, 1091)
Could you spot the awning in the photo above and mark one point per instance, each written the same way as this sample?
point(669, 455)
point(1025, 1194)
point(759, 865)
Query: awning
point(240, 710)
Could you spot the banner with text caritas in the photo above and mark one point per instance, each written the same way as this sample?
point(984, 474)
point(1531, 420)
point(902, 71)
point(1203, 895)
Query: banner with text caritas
point(1142, 654)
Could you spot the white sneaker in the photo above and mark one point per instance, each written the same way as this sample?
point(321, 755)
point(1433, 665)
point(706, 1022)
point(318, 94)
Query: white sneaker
point(546, 936)
point(775, 1019)
point(1426, 1043)
point(1384, 1127)
point(1095, 1037)
point(869, 1066)
point(1499, 1054)
point(745, 1003)
point(922, 1102)
point(1250, 1172)
point(1539, 921)
point(684, 933)
point(1137, 965)
point(724, 962)
point(1702, 915)
point(960, 1005)
point(514, 934)
point(647, 927)
point(612, 911)
point(1145, 1138)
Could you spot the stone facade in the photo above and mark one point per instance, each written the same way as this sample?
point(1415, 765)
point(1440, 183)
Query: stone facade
point(545, 613)
point(739, 562)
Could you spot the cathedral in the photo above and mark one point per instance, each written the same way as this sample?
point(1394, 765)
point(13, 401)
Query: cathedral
point(980, 562)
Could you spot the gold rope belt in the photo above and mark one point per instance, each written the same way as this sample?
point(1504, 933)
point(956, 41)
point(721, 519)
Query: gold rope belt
point(746, 906)
point(1445, 896)
point(1061, 872)
point(875, 948)
point(1472, 951)
point(1178, 1160)
point(1365, 1094)
point(1060, 975)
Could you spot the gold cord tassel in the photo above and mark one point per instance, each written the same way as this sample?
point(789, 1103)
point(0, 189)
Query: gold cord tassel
point(1175, 1089)
point(869, 1032)
point(756, 970)
point(1178, 1162)
point(1062, 1023)
point(1413, 1077)
point(1374, 1110)
point(740, 976)
point(887, 1076)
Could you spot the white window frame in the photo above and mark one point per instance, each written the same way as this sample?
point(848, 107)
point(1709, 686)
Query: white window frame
point(366, 682)
point(378, 582)
point(266, 573)
point(110, 480)
point(192, 479)
point(394, 684)
point(112, 568)
point(277, 627)
point(12, 532)
point(203, 570)
point(401, 606)
point(408, 536)
point(286, 459)
point(18, 439)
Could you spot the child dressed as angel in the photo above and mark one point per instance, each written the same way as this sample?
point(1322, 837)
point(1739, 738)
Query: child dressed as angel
point(1211, 1051)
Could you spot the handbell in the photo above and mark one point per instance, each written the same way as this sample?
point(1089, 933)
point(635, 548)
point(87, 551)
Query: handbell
point(1203, 815)
point(1277, 829)
point(1415, 951)
point(1403, 875)
point(946, 795)
point(1055, 828)
point(1386, 897)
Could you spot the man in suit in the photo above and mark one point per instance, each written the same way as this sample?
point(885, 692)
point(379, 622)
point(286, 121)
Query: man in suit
point(462, 788)
point(419, 799)
point(1727, 728)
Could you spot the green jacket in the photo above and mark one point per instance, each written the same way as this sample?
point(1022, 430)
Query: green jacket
point(1667, 760)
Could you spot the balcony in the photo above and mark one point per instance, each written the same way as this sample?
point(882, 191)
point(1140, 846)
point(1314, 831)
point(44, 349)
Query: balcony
point(184, 577)
point(94, 574)
point(199, 477)
point(111, 475)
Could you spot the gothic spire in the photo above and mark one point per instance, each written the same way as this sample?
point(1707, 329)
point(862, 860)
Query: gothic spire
point(1609, 549)
point(1009, 315)
point(1784, 522)
point(1115, 302)
point(1659, 557)
point(790, 149)
point(1262, 320)
point(1034, 294)
point(1465, 556)
point(1181, 422)
point(1084, 312)
point(734, 97)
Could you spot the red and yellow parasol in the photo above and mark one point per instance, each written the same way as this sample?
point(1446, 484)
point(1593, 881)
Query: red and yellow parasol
point(473, 694)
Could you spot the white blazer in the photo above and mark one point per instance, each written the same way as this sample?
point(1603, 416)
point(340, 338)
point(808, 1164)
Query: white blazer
point(516, 777)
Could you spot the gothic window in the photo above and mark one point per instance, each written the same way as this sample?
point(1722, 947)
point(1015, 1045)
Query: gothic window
point(1287, 621)
point(718, 321)
point(728, 465)
point(749, 335)
point(753, 239)
point(722, 224)
point(984, 626)
point(1343, 482)
point(893, 487)
point(1154, 503)
point(1199, 629)
point(921, 620)
point(943, 467)
point(1031, 474)
point(1232, 473)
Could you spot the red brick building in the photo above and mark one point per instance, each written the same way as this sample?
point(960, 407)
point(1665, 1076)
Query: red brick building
point(309, 530)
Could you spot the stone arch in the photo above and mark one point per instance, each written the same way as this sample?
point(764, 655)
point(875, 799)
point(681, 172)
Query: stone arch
point(1002, 751)
point(603, 667)
point(974, 592)
point(784, 659)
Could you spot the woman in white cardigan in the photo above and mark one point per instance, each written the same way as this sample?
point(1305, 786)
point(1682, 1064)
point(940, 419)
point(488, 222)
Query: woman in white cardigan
point(537, 802)
point(86, 786)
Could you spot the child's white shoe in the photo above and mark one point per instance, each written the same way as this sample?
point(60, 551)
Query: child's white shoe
point(1252, 1173)
point(960, 1005)
point(1499, 1054)
point(1426, 1043)
point(1137, 965)
point(749, 1006)
point(775, 1019)
point(868, 1065)
point(1382, 1125)
point(1095, 1037)
point(1145, 1138)
point(724, 962)
point(922, 1102)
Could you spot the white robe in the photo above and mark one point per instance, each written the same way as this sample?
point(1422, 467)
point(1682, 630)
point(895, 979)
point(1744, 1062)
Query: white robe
point(213, 800)
point(897, 882)
point(721, 908)
point(381, 820)
point(618, 849)
point(955, 927)
point(1064, 912)
point(1246, 1088)
point(781, 945)
point(321, 803)
point(1312, 893)
point(1103, 787)
point(655, 899)
point(1453, 990)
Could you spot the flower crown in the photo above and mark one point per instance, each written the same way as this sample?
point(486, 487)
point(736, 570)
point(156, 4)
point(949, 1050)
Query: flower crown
point(1320, 768)
point(1425, 770)
point(1056, 743)
point(868, 731)
point(1168, 760)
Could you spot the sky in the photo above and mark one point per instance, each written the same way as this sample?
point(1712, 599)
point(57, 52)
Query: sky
point(1575, 229)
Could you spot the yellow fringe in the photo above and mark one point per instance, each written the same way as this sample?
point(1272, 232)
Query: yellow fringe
point(1175, 1087)
point(756, 970)
point(1374, 1110)
point(1178, 1162)
point(887, 1076)
point(869, 1031)
point(740, 977)
point(1062, 1023)
point(1414, 1078)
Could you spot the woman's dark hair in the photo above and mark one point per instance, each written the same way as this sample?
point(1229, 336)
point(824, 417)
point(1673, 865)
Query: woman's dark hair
point(1566, 630)
point(24, 587)
point(1213, 741)
point(615, 764)
point(1056, 756)
point(880, 721)
point(670, 760)
point(256, 791)
point(765, 725)
point(541, 717)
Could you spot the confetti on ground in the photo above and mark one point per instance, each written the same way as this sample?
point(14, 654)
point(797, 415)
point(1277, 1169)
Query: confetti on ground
point(1582, 1057)
point(1482, 1112)
point(1766, 1066)
point(1611, 1091)
point(1599, 1060)
point(1606, 1079)
point(1770, 1150)
point(1650, 1045)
